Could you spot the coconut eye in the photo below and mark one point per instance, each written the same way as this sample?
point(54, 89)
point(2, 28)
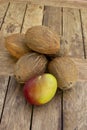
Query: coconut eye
point(70, 83)
point(15, 76)
point(19, 77)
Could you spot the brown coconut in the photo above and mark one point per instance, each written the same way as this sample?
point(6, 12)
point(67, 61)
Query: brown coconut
point(16, 46)
point(64, 69)
point(43, 40)
point(30, 65)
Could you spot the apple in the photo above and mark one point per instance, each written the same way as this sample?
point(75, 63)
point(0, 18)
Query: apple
point(40, 89)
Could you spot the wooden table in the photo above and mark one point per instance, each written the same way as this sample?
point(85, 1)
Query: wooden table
point(58, 3)
point(67, 110)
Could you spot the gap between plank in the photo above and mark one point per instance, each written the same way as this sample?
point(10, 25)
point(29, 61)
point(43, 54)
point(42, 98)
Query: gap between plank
point(62, 110)
point(23, 18)
point(43, 14)
point(9, 76)
point(31, 120)
point(82, 34)
point(62, 21)
point(5, 98)
point(5, 15)
point(62, 91)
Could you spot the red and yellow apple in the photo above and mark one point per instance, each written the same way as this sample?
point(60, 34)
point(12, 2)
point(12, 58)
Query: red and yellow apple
point(40, 89)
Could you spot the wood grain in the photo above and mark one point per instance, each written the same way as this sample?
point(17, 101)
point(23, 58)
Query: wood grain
point(52, 18)
point(12, 24)
point(75, 107)
point(58, 3)
point(48, 116)
point(7, 62)
point(84, 27)
point(3, 88)
point(74, 100)
point(72, 32)
point(33, 16)
point(13, 20)
point(62, 3)
point(16, 113)
point(3, 79)
point(81, 65)
point(3, 9)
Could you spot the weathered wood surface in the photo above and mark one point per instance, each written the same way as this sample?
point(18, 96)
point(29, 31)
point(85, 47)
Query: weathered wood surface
point(16, 112)
point(58, 3)
point(72, 32)
point(74, 100)
point(3, 87)
point(6, 60)
point(75, 108)
point(84, 29)
point(33, 17)
point(64, 112)
point(62, 3)
point(81, 65)
point(3, 79)
point(3, 10)
point(52, 18)
point(14, 18)
point(48, 117)
point(12, 24)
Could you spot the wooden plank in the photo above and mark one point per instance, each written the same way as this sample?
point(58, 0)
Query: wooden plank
point(4, 79)
point(75, 107)
point(48, 117)
point(17, 113)
point(74, 100)
point(84, 26)
point(3, 9)
point(62, 3)
point(12, 24)
point(81, 65)
point(52, 18)
point(58, 3)
point(7, 62)
point(13, 20)
point(33, 16)
point(3, 88)
point(72, 32)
